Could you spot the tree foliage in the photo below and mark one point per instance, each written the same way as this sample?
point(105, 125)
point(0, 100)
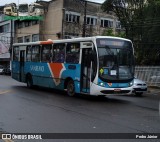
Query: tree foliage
point(110, 32)
point(141, 21)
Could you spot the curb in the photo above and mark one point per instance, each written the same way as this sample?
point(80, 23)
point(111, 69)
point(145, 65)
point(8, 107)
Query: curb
point(154, 87)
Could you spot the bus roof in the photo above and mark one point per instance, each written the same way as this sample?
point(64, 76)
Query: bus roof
point(34, 43)
point(88, 38)
point(69, 40)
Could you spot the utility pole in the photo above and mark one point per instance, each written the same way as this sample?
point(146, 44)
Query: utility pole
point(63, 19)
point(84, 23)
point(11, 38)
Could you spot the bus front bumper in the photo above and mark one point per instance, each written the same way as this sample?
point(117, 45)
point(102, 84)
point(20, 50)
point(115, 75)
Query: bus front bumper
point(99, 90)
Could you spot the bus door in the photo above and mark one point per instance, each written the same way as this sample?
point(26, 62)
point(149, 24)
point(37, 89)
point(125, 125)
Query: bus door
point(22, 59)
point(86, 66)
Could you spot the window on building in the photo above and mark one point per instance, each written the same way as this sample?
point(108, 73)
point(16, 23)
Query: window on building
point(35, 22)
point(72, 52)
point(91, 20)
point(1, 29)
point(36, 53)
point(20, 25)
point(46, 53)
point(110, 24)
point(29, 53)
point(70, 35)
point(35, 37)
point(20, 39)
point(106, 23)
point(15, 53)
point(27, 38)
point(6, 28)
point(59, 53)
point(118, 25)
point(72, 17)
point(27, 23)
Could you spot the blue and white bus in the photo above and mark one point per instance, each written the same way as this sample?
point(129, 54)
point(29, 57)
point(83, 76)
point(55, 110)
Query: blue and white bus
point(100, 65)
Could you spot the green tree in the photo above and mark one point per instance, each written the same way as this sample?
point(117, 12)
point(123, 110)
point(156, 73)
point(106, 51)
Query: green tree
point(110, 32)
point(127, 12)
point(148, 48)
point(141, 21)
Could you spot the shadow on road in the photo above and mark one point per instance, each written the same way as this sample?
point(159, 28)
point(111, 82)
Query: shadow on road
point(43, 92)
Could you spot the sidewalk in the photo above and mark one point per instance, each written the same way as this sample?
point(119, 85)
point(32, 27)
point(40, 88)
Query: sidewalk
point(154, 89)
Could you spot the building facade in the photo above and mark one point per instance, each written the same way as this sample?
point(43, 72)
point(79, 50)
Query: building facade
point(6, 34)
point(65, 19)
point(62, 19)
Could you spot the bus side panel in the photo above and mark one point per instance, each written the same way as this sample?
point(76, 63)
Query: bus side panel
point(41, 74)
point(53, 75)
point(16, 70)
point(60, 72)
point(73, 71)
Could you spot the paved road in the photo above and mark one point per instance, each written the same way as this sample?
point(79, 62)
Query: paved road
point(40, 110)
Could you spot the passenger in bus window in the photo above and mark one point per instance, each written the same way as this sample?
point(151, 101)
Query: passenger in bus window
point(37, 57)
point(60, 54)
point(76, 55)
point(48, 56)
point(61, 57)
point(72, 55)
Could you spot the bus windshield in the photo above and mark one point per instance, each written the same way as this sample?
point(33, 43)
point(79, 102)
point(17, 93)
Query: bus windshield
point(116, 60)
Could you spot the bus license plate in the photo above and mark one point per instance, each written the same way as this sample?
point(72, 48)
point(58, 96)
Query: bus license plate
point(117, 90)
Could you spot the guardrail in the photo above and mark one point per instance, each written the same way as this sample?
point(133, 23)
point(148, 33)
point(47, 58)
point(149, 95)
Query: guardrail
point(149, 74)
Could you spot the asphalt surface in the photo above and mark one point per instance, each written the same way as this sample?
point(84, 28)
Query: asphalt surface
point(43, 110)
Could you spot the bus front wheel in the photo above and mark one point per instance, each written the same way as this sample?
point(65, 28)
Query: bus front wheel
point(29, 81)
point(71, 88)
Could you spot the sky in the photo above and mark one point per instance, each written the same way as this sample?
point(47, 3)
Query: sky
point(3, 2)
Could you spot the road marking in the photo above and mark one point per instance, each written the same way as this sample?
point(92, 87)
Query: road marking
point(3, 92)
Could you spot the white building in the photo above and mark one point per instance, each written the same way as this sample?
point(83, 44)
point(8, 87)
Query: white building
point(5, 40)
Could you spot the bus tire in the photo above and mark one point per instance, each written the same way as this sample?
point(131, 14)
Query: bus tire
point(70, 88)
point(29, 81)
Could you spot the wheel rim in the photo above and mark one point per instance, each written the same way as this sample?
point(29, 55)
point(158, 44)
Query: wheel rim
point(29, 82)
point(70, 88)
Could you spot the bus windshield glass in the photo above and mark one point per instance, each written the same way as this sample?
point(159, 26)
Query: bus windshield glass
point(116, 60)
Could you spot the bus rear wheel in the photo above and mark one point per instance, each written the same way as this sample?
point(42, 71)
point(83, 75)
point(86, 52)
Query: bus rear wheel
point(29, 81)
point(71, 88)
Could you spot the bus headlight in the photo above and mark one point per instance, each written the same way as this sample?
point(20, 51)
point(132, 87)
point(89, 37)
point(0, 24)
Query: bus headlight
point(131, 83)
point(101, 84)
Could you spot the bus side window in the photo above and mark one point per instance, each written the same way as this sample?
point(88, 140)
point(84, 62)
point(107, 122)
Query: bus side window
point(46, 53)
point(59, 53)
point(16, 53)
point(29, 53)
point(36, 53)
point(72, 53)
